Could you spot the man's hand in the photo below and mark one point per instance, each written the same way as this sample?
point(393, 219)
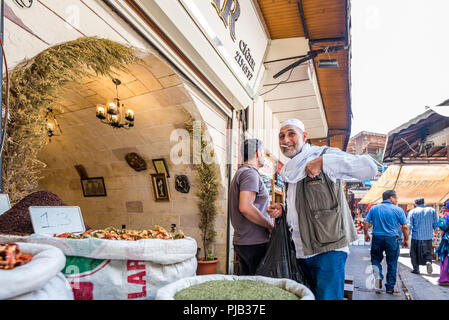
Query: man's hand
point(404, 243)
point(274, 210)
point(367, 238)
point(314, 167)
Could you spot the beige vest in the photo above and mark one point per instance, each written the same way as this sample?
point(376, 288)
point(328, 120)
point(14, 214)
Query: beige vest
point(324, 218)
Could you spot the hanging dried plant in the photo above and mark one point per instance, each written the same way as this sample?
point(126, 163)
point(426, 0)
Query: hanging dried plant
point(34, 87)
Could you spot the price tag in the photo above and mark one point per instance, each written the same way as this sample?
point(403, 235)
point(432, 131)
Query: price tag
point(56, 220)
point(5, 205)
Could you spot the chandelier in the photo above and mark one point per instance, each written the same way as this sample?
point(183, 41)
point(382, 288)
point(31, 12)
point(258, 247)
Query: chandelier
point(114, 113)
point(53, 128)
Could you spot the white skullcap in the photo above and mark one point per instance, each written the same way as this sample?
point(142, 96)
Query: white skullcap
point(294, 122)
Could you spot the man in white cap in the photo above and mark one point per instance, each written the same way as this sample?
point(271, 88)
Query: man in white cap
point(317, 210)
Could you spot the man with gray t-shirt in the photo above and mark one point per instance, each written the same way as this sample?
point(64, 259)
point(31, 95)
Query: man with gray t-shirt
point(248, 202)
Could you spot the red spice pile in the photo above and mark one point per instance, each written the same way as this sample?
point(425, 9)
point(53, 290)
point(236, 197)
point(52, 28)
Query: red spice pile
point(17, 220)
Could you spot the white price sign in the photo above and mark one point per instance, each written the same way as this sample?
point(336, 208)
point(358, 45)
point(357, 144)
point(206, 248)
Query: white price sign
point(5, 205)
point(56, 220)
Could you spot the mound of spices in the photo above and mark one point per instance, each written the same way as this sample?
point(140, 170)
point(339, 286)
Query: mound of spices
point(11, 257)
point(17, 220)
point(112, 233)
point(234, 290)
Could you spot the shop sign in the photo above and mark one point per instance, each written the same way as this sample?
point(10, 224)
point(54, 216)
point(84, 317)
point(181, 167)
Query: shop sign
point(267, 169)
point(279, 167)
point(233, 28)
point(56, 220)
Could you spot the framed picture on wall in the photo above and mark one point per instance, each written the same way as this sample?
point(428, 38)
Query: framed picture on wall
point(93, 187)
point(161, 166)
point(160, 187)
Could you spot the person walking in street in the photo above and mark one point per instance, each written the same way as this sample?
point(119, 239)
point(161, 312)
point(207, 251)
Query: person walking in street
point(445, 211)
point(248, 201)
point(388, 221)
point(422, 221)
point(316, 207)
point(443, 250)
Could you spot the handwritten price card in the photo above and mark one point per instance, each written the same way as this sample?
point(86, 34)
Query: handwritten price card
point(56, 220)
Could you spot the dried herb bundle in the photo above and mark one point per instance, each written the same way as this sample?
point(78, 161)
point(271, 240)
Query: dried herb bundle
point(34, 87)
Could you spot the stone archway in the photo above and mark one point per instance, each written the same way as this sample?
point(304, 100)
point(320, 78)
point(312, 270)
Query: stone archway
point(162, 101)
point(34, 86)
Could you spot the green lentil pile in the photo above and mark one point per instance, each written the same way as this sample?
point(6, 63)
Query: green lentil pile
point(234, 290)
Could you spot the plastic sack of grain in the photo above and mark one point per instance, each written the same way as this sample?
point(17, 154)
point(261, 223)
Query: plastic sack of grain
point(99, 269)
point(39, 279)
point(168, 292)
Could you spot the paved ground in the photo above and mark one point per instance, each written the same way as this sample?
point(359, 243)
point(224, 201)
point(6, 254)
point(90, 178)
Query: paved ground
point(359, 266)
point(423, 286)
point(408, 286)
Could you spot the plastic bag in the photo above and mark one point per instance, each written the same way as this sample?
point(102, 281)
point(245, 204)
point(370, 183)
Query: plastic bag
point(280, 259)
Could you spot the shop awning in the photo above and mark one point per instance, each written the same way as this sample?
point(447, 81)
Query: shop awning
point(410, 182)
point(359, 194)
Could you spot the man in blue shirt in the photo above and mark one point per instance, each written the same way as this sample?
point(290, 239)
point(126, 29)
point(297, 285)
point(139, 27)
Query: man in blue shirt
point(422, 221)
point(387, 219)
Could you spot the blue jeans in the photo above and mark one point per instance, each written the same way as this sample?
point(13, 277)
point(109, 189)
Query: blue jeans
point(391, 246)
point(325, 274)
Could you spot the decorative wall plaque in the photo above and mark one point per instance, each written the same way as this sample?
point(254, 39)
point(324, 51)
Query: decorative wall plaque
point(182, 184)
point(136, 162)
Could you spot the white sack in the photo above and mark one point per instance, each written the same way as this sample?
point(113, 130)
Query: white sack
point(57, 288)
point(46, 264)
point(154, 250)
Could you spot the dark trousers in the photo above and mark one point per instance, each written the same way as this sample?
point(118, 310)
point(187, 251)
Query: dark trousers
point(325, 274)
point(249, 257)
point(391, 247)
point(420, 252)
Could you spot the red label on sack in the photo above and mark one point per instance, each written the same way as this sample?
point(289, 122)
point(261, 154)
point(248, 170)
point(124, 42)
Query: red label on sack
point(82, 290)
point(137, 278)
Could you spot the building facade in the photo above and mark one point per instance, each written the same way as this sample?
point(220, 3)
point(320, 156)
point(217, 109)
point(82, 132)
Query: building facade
point(217, 62)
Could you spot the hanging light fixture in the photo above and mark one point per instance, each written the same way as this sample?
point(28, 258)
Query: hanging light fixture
point(53, 128)
point(114, 113)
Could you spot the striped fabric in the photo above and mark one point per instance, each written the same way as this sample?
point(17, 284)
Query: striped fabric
point(422, 221)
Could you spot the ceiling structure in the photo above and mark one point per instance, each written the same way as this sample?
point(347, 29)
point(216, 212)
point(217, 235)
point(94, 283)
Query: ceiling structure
point(424, 139)
point(323, 23)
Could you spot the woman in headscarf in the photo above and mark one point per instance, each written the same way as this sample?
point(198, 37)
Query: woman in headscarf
point(445, 211)
point(443, 248)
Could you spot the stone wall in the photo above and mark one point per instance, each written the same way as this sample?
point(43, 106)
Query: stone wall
point(162, 103)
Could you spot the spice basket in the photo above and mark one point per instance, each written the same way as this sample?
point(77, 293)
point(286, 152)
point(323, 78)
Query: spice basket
point(168, 292)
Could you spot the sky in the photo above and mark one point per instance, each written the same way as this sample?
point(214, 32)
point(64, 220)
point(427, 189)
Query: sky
point(400, 61)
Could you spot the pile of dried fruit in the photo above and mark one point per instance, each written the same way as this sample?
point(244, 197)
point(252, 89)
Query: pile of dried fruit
point(234, 290)
point(112, 233)
point(11, 256)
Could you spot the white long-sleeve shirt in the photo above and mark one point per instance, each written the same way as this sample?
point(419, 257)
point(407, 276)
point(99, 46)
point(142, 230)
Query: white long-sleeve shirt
point(337, 165)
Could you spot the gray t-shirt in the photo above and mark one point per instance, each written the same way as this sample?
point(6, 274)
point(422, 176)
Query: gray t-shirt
point(247, 178)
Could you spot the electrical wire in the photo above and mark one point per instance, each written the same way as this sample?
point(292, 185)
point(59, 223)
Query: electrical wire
point(6, 101)
point(21, 4)
point(281, 82)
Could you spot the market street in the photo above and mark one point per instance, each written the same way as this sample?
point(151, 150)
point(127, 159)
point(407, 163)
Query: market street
point(408, 286)
point(358, 265)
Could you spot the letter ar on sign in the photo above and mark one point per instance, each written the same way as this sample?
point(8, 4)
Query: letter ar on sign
point(229, 11)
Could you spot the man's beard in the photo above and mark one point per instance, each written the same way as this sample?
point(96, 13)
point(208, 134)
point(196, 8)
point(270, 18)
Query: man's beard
point(292, 153)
